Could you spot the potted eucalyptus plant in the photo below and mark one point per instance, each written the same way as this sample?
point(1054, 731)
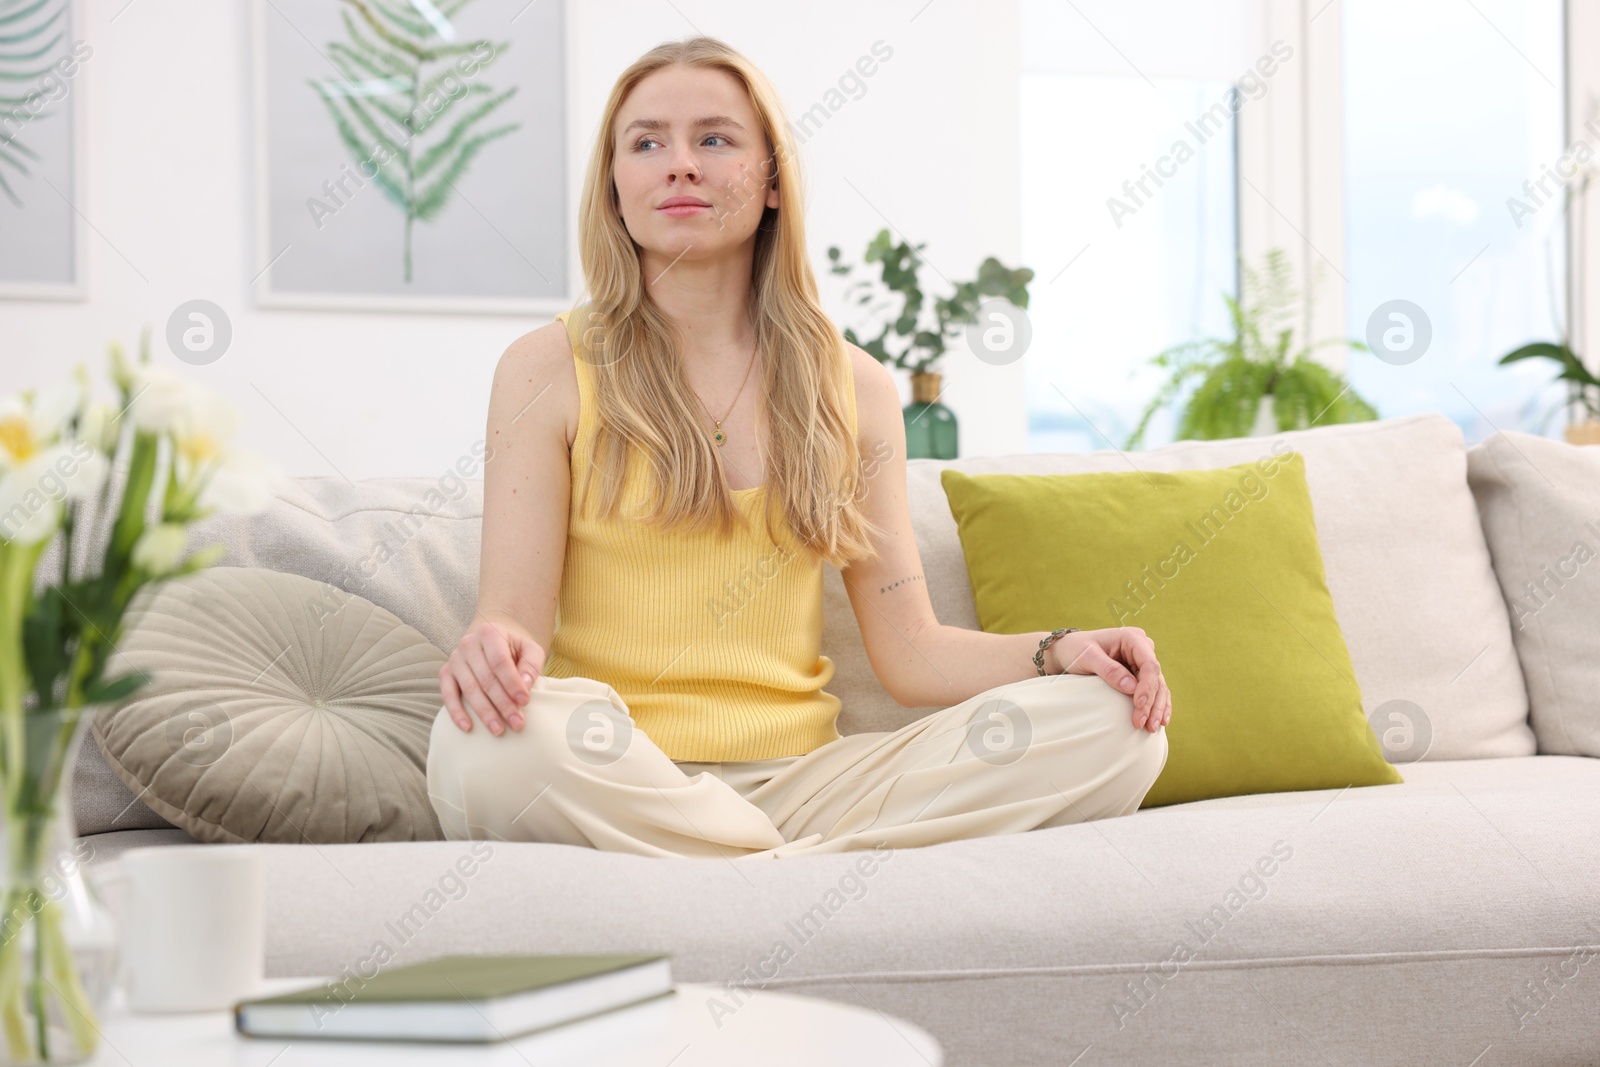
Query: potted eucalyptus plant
point(1259, 379)
point(909, 341)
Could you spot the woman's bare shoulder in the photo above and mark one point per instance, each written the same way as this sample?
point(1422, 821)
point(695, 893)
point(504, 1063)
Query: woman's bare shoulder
point(536, 371)
point(877, 395)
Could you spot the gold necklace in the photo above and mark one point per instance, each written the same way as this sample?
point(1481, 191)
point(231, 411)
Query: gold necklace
point(719, 436)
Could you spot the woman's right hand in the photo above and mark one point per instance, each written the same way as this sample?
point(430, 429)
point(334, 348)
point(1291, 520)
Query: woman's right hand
point(491, 670)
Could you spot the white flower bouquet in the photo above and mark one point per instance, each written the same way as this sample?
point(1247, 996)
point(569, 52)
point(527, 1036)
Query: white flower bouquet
point(163, 459)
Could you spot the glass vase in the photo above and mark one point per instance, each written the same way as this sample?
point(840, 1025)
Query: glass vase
point(931, 431)
point(58, 944)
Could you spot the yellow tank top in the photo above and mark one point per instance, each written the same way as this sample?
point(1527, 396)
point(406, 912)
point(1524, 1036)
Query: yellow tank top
point(713, 643)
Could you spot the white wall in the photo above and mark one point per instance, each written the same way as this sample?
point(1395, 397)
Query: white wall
point(929, 149)
point(1583, 221)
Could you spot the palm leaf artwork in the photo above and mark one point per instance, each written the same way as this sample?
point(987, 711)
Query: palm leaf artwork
point(30, 30)
point(397, 65)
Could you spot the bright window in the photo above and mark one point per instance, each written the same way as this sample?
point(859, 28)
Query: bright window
point(1128, 261)
point(1448, 109)
point(1128, 201)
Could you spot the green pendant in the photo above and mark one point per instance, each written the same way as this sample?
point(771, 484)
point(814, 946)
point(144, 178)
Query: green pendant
point(719, 437)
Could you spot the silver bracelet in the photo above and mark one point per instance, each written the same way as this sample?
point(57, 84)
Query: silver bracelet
point(1038, 657)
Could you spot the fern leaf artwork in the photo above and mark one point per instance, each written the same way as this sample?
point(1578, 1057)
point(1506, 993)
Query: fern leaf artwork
point(405, 110)
point(30, 32)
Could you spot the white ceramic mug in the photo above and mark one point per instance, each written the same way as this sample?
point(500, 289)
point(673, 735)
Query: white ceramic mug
point(193, 926)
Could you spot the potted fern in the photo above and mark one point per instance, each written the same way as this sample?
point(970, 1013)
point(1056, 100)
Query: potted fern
point(1260, 379)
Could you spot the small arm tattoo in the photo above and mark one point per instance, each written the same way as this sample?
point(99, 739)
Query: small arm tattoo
point(902, 581)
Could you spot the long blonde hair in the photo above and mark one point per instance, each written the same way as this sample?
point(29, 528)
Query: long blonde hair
point(814, 463)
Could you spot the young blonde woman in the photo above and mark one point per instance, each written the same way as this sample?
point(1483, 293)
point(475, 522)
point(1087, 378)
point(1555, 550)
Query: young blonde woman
point(673, 462)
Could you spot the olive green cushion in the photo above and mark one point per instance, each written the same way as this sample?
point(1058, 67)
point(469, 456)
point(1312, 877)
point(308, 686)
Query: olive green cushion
point(1222, 569)
point(279, 709)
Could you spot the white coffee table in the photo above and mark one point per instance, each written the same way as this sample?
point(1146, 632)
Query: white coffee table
point(682, 1030)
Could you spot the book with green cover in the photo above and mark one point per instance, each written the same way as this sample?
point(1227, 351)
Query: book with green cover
point(459, 998)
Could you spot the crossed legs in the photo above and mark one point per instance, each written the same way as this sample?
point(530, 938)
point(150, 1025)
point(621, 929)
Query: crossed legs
point(1029, 754)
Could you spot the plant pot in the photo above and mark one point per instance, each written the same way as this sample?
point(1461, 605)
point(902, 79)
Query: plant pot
point(931, 431)
point(1266, 423)
point(58, 943)
point(1584, 433)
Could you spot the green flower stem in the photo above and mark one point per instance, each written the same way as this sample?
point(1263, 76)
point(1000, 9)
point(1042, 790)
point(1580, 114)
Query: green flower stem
point(16, 573)
point(181, 502)
point(141, 476)
point(18, 1045)
point(41, 1015)
point(30, 811)
point(54, 967)
point(13, 1007)
point(19, 913)
point(77, 674)
point(16, 577)
point(63, 978)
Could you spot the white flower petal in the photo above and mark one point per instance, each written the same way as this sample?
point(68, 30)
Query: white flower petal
point(243, 483)
point(162, 398)
point(160, 548)
point(54, 406)
point(42, 472)
point(27, 515)
point(17, 432)
point(100, 427)
point(88, 474)
point(214, 421)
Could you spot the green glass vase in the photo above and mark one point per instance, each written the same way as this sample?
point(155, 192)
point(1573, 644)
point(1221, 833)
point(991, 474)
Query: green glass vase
point(931, 431)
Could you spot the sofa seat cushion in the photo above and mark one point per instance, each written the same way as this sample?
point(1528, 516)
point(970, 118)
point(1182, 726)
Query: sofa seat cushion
point(1392, 924)
point(278, 709)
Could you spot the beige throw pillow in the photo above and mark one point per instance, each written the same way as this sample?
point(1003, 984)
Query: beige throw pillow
point(269, 719)
point(1539, 501)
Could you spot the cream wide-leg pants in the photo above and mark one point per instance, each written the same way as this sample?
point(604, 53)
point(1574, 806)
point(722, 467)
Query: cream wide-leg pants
point(1040, 752)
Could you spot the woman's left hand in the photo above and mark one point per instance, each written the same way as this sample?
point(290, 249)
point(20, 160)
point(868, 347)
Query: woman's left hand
point(1126, 658)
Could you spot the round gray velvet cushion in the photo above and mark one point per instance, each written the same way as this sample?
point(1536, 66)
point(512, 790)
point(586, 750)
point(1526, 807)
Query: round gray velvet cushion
point(280, 709)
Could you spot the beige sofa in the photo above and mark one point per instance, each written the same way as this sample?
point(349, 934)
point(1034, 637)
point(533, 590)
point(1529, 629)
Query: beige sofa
point(1443, 920)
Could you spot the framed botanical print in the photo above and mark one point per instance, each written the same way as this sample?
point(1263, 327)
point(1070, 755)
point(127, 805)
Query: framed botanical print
point(411, 155)
point(43, 235)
